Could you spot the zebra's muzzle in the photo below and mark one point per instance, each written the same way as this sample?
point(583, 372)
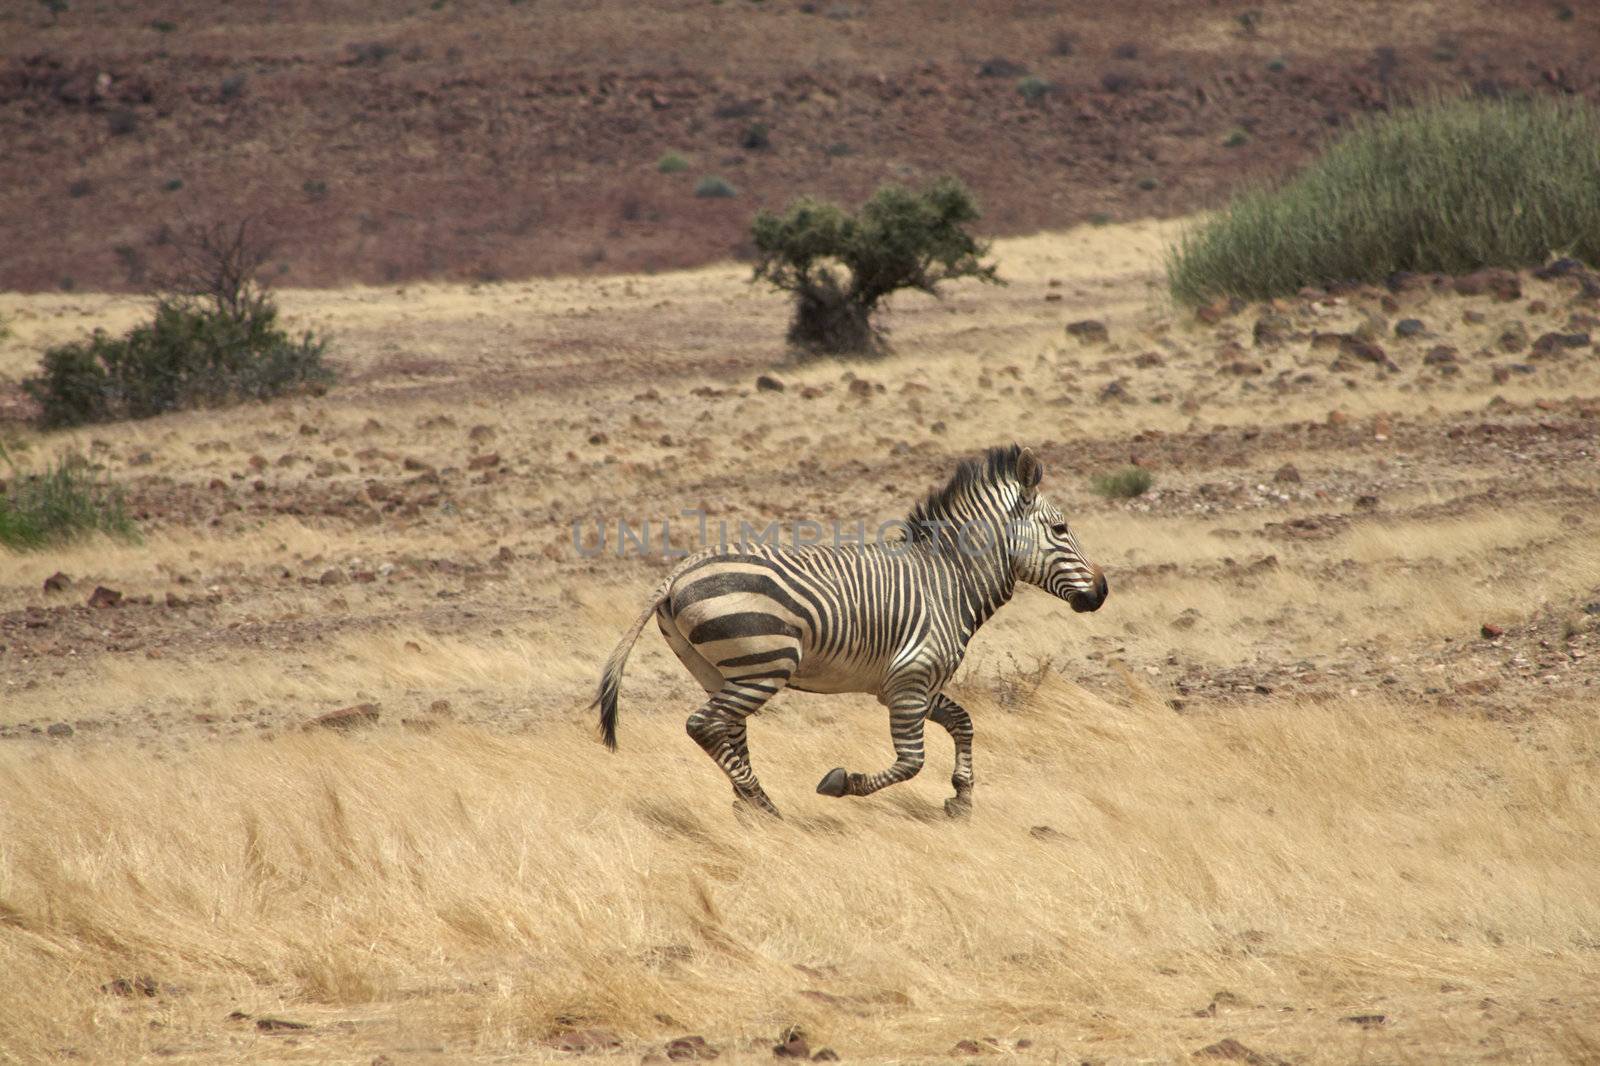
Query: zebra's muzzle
point(1090, 600)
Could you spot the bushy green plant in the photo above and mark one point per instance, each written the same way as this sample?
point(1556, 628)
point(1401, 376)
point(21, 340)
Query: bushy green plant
point(672, 163)
point(1122, 484)
point(840, 266)
point(1033, 88)
point(215, 340)
point(1450, 186)
point(711, 187)
point(64, 502)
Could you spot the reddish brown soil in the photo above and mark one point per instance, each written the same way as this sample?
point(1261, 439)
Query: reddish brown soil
point(389, 141)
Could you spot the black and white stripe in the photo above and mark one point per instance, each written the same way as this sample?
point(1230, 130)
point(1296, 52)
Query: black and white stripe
point(890, 619)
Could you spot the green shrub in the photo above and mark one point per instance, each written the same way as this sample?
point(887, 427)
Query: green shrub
point(64, 502)
point(1450, 186)
point(712, 187)
point(214, 340)
point(1236, 139)
point(1033, 88)
point(840, 266)
point(1122, 484)
point(756, 137)
point(672, 163)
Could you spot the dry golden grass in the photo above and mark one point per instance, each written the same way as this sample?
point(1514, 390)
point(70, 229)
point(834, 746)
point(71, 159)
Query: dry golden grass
point(476, 893)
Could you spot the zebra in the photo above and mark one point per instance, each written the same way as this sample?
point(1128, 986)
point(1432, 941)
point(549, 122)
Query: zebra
point(892, 619)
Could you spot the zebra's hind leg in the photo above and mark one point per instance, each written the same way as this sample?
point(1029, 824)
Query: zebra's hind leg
point(719, 728)
point(950, 714)
point(906, 714)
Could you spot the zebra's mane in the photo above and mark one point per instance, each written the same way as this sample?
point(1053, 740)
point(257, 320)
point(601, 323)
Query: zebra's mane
point(995, 467)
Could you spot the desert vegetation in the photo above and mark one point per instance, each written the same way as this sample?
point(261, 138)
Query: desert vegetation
point(214, 340)
point(65, 501)
point(840, 266)
point(1451, 186)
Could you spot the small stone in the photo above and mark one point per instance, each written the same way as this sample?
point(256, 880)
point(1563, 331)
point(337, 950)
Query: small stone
point(480, 434)
point(1287, 474)
point(585, 1041)
point(792, 1045)
point(346, 718)
point(1513, 339)
point(1366, 502)
point(598, 437)
point(1440, 355)
point(1337, 417)
point(334, 576)
point(104, 597)
point(1549, 344)
point(768, 383)
point(1089, 331)
point(60, 729)
point(275, 1025)
point(1490, 631)
point(827, 1054)
point(1233, 1051)
point(861, 387)
point(1272, 328)
point(57, 582)
point(415, 465)
point(486, 461)
point(690, 1049)
point(1409, 327)
point(1474, 318)
point(439, 707)
point(1559, 268)
point(125, 986)
point(1366, 1021)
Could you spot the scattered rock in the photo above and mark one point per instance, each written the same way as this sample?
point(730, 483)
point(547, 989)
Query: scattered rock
point(334, 576)
point(1440, 355)
point(1044, 832)
point(127, 986)
point(1513, 339)
point(1490, 631)
point(768, 383)
point(585, 1041)
point(1287, 475)
point(861, 387)
point(57, 582)
point(1242, 368)
point(1473, 317)
point(599, 437)
point(439, 707)
point(486, 461)
point(1559, 268)
point(1089, 331)
point(278, 1025)
point(1550, 344)
point(480, 434)
point(1503, 285)
point(60, 729)
point(1272, 328)
point(1145, 360)
point(346, 718)
point(1233, 1051)
point(1367, 1021)
point(792, 1044)
point(104, 597)
point(1409, 327)
point(1366, 502)
point(1115, 391)
point(690, 1049)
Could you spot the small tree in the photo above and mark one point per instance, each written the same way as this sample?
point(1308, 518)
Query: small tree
point(840, 266)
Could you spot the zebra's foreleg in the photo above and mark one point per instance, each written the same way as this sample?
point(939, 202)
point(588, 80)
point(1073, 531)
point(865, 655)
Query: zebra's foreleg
point(906, 715)
point(719, 728)
point(950, 714)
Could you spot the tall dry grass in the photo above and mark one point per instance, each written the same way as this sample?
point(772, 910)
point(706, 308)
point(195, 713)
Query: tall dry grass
point(476, 893)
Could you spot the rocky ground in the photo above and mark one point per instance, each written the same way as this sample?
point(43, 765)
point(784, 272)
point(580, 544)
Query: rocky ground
point(1383, 489)
point(485, 141)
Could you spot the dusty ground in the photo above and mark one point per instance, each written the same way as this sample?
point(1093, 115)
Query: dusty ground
point(1283, 779)
point(470, 139)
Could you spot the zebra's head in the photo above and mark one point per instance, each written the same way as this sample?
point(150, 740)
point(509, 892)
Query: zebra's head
point(1044, 550)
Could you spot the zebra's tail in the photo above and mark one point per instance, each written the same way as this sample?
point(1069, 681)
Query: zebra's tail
point(611, 676)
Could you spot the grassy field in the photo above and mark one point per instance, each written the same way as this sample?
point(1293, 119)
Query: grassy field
point(1327, 753)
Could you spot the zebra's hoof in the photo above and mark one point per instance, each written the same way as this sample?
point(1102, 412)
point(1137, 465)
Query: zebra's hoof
point(835, 783)
point(958, 807)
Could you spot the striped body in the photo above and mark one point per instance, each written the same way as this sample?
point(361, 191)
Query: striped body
point(890, 619)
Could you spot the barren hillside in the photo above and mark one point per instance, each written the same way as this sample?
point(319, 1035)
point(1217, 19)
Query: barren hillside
point(470, 139)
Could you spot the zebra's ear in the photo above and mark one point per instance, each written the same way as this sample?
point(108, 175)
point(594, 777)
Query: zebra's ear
point(1029, 472)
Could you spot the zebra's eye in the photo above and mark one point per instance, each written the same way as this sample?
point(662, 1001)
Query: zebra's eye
point(1059, 529)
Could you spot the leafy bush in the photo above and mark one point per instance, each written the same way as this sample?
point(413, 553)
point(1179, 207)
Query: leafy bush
point(712, 187)
point(64, 502)
point(1451, 186)
point(672, 163)
point(214, 340)
point(1122, 484)
point(840, 266)
point(1033, 88)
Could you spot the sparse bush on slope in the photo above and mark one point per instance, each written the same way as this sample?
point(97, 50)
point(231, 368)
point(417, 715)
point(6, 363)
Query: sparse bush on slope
point(1451, 186)
point(840, 266)
point(214, 340)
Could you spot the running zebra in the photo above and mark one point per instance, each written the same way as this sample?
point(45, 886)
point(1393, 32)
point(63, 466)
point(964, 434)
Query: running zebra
point(892, 619)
